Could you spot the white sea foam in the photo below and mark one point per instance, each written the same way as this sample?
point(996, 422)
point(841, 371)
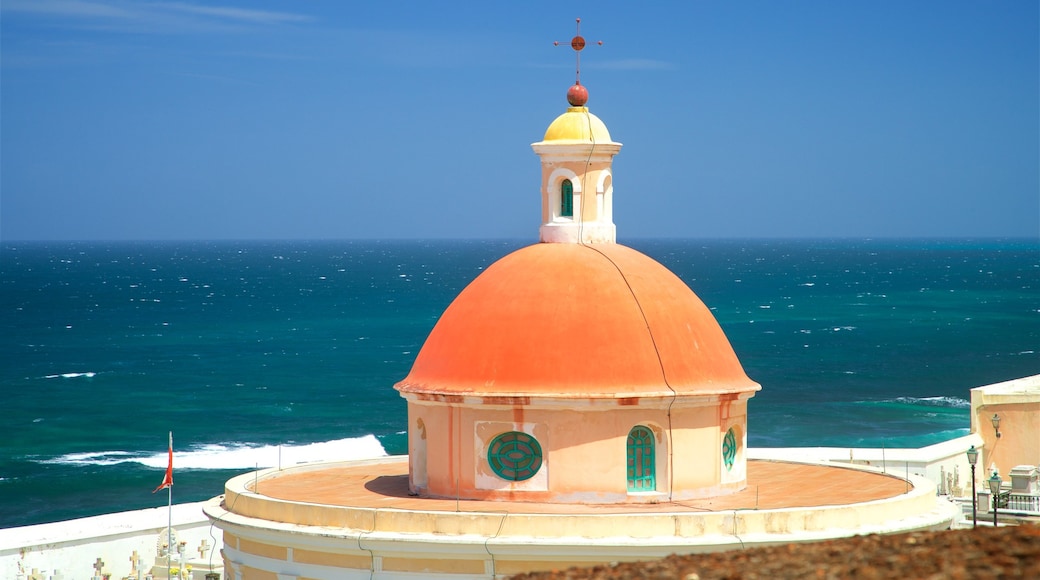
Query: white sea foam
point(946, 435)
point(955, 402)
point(88, 375)
point(92, 458)
point(948, 402)
point(234, 455)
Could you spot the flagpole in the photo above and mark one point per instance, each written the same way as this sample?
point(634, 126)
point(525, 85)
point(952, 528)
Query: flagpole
point(169, 523)
point(169, 513)
point(168, 484)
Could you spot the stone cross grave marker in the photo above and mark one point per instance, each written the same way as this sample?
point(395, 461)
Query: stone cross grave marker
point(203, 548)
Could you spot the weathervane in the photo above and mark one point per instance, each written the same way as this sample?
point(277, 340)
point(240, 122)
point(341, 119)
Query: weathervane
point(578, 95)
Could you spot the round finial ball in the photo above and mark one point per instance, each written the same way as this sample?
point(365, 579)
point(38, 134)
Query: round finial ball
point(577, 96)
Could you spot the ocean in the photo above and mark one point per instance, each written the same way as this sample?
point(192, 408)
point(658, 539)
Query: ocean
point(259, 354)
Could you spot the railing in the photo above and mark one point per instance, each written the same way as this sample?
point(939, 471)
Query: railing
point(1017, 503)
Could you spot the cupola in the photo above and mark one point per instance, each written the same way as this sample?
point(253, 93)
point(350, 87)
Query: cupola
point(578, 370)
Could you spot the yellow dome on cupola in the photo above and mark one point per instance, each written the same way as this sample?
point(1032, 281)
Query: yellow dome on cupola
point(577, 183)
point(577, 125)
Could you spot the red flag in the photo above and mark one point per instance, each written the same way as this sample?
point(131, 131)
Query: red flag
point(168, 480)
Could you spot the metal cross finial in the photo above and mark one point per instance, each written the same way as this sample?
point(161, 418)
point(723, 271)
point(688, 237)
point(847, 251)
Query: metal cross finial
point(578, 43)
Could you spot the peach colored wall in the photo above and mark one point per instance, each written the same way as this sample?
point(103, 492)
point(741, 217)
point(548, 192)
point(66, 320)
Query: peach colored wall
point(257, 574)
point(441, 443)
point(588, 461)
point(1019, 443)
point(263, 549)
point(576, 445)
point(697, 442)
point(433, 566)
point(547, 168)
point(328, 559)
point(589, 207)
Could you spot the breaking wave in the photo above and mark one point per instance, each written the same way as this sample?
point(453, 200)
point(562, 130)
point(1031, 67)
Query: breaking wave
point(234, 455)
point(947, 402)
point(88, 375)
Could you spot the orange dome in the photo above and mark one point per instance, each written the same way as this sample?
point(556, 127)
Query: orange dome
point(576, 321)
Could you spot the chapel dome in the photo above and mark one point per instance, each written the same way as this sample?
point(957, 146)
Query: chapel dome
point(576, 321)
point(577, 125)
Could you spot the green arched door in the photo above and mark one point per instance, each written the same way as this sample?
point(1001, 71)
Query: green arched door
point(640, 451)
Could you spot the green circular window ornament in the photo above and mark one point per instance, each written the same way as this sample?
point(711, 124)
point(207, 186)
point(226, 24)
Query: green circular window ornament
point(515, 456)
point(729, 449)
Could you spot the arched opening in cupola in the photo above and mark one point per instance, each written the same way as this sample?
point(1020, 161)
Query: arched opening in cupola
point(640, 457)
point(567, 198)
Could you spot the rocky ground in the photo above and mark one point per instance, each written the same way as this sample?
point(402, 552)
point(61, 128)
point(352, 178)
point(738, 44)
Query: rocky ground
point(1005, 552)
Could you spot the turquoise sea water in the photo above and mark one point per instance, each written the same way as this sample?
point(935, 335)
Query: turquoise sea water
point(260, 353)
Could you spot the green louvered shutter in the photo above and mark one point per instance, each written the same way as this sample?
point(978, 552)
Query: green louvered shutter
point(567, 198)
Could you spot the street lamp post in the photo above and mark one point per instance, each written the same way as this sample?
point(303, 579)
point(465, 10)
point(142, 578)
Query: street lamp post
point(973, 456)
point(994, 489)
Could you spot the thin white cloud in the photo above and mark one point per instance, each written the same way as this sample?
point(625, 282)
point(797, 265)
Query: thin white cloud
point(150, 17)
point(235, 14)
point(67, 8)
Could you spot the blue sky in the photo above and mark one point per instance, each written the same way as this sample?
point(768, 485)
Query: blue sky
point(328, 119)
